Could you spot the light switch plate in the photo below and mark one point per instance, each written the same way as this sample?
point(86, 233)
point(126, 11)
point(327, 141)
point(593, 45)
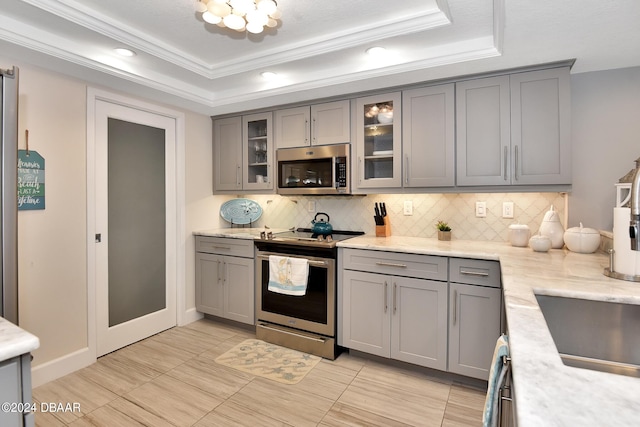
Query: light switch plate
point(507, 209)
point(481, 209)
point(311, 206)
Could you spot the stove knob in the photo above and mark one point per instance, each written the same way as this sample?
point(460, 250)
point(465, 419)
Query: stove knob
point(329, 238)
point(320, 238)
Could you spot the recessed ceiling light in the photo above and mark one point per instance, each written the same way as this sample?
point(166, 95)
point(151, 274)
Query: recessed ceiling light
point(268, 75)
point(124, 51)
point(376, 50)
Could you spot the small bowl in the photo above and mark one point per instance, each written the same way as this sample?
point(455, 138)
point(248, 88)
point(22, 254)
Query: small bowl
point(540, 243)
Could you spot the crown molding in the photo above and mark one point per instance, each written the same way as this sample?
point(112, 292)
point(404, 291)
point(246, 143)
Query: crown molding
point(76, 12)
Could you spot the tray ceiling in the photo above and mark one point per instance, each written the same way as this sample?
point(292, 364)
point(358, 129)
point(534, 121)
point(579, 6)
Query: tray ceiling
point(317, 51)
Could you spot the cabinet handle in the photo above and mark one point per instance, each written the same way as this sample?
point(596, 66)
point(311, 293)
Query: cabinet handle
point(455, 307)
point(395, 303)
point(391, 264)
point(516, 165)
point(406, 169)
point(386, 297)
point(268, 173)
point(313, 130)
point(306, 132)
point(358, 171)
point(474, 273)
point(238, 176)
point(219, 271)
point(506, 158)
point(224, 272)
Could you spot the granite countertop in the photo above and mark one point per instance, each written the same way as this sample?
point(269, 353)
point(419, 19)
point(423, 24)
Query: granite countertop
point(548, 393)
point(15, 341)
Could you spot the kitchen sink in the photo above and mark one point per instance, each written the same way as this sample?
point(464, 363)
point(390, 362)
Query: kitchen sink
point(597, 335)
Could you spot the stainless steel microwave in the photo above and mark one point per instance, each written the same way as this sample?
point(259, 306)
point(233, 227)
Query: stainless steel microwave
point(320, 169)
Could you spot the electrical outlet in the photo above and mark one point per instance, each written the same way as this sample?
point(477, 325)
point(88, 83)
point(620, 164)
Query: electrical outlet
point(481, 209)
point(311, 206)
point(507, 209)
point(408, 207)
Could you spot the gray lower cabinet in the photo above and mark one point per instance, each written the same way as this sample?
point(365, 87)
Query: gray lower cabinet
point(445, 316)
point(225, 278)
point(474, 315)
point(383, 313)
point(15, 377)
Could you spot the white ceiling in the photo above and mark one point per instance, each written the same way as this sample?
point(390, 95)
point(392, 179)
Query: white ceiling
point(318, 50)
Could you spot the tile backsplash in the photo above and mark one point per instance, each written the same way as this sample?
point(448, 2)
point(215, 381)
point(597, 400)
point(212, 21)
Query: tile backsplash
point(356, 212)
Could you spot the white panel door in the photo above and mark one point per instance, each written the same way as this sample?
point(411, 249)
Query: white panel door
point(135, 217)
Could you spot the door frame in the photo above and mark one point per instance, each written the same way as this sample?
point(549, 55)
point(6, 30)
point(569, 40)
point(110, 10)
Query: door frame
point(94, 95)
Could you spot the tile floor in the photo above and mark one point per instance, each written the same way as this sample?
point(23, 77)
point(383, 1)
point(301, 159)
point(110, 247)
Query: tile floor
point(171, 379)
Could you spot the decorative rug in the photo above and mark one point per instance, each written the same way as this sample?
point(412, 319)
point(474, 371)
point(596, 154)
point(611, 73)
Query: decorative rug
point(269, 361)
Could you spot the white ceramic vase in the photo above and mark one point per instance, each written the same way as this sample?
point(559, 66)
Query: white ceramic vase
point(552, 228)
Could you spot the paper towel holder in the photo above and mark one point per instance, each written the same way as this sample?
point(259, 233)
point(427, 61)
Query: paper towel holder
point(610, 271)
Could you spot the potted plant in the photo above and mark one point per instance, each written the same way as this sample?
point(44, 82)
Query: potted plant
point(444, 231)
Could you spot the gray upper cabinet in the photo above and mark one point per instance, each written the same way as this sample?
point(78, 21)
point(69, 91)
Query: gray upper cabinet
point(257, 147)
point(292, 127)
point(331, 123)
point(319, 124)
point(243, 153)
point(227, 154)
point(378, 148)
point(482, 131)
point(428, 136)
point(514, 130)
point(540, 127)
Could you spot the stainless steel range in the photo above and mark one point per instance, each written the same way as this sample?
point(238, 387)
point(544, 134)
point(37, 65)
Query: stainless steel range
point(304, 322)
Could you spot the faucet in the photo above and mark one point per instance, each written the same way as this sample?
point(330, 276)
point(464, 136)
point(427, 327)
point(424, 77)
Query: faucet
point(634, 225)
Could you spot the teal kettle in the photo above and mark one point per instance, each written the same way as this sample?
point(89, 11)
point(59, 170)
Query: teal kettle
point(320, 226)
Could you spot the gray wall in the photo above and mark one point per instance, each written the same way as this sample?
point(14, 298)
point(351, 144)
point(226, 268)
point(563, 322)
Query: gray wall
point(606, 141)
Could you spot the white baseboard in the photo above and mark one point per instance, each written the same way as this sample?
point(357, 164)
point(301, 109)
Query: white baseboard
point(49, 371)
point(190, 315)
point(54, 369)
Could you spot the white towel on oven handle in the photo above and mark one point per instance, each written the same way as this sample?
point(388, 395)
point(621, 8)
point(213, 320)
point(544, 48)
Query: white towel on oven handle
point(288, 275)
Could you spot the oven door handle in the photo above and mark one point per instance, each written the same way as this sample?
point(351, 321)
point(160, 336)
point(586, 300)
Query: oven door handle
point(318, 339)
point(311, 261)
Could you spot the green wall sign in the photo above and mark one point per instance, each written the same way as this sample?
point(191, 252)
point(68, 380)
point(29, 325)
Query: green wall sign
point(30, 180)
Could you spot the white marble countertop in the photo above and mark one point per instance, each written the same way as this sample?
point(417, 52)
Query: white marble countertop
point(548, 393)
point(15, 341)
point(238, 233)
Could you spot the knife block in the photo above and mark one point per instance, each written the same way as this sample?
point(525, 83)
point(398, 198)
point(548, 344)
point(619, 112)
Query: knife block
point(384, 230)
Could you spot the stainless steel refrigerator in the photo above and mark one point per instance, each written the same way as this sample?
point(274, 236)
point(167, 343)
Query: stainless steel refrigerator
point(9, 194)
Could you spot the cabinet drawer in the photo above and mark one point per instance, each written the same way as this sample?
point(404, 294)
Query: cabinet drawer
point(225, 246)
point(474, 272)
point(396, 264)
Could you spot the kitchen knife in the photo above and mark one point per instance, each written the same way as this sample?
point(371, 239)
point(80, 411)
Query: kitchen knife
point(383, 209)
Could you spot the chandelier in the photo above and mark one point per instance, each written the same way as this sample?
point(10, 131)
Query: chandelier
point(240, 15)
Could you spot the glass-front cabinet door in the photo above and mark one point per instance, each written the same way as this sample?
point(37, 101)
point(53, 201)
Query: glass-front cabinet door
point(378, 143)
point(257, 151)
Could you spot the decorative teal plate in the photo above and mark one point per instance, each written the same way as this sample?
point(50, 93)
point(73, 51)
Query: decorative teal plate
point(240, 211)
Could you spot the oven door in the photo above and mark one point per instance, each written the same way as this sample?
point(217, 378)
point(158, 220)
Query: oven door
point(312, 312)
